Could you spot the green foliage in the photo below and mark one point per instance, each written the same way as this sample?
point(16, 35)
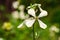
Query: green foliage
point(26, 33)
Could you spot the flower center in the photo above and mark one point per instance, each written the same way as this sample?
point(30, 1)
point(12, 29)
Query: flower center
point(36, 18)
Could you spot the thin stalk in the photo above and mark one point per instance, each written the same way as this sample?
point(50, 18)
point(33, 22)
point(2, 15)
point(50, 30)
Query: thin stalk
point(33, 33)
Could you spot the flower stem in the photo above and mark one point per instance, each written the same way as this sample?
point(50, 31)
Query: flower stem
point(33, 33)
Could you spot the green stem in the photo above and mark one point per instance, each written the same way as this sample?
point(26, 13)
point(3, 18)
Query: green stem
point(33, 33)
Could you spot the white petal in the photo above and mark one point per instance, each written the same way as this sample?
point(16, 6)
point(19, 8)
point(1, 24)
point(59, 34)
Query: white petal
point(22, 15)
point(29, 22)
point(54, 28)
point(42, 14)
point(28, 7)
point(40, 8)
point(15, 14)
point(1, 38)
point(20, 25)
point(21, 8)
point(39, 5)
point(42, 25)
point(31, 12)
point(15, 4)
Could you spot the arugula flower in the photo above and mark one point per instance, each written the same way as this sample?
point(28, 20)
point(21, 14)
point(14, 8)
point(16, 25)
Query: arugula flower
point(30, 21)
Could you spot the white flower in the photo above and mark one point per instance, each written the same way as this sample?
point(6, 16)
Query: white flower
point(30, 21)
point(15, 14)
point(1, 38)
point(15, 4)
point(21, 13)
point(21, 7)
point(54, 28)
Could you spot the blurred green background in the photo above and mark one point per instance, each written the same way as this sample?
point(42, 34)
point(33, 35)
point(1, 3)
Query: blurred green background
point(8, 24)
